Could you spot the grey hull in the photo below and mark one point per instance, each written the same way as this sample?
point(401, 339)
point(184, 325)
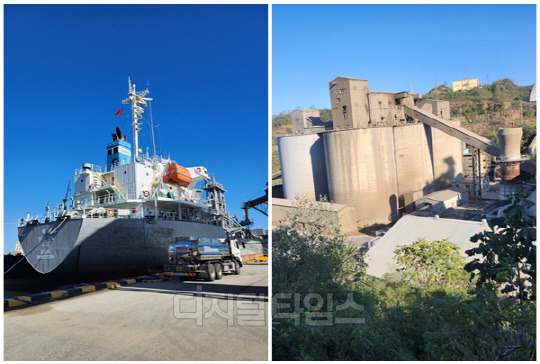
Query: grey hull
point(105, 245)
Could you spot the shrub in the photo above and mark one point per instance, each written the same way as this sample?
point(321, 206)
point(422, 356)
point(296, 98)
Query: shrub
point(506, 254)
point(403, 320)
point(310, 254)
point(425, 264)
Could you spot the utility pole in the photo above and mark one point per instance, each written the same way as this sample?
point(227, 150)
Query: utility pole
point(479, 172)
point(473, 156)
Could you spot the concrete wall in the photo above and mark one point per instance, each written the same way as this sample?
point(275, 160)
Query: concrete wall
point(361, 173)
point(303, 167)
point(354, 106)
point(302, 119)
point(345, 215)
point(384, 111)
point(373, 169)
point(350, 106)
point(442, 200)
point(413, 162)
point(440, 108)
point(280, 212)
point(447, 156)
point(464, 85)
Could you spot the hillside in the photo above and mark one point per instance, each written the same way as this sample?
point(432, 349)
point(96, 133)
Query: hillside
point(482, 110)
point(489, 107)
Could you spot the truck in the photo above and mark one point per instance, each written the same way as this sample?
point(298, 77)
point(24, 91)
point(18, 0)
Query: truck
point(201, 259)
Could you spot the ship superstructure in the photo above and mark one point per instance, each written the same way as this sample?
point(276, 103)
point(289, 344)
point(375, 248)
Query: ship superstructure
point(124, 214)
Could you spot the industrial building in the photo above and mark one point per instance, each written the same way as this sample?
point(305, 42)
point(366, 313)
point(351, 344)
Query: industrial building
point(380, 257)
point(465, 85)
point(386, 153)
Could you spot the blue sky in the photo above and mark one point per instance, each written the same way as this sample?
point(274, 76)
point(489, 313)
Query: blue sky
point(394, 45)
point(66, 70)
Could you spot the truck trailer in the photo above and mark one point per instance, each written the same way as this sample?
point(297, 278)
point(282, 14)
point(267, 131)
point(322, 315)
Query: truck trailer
point(206, 260)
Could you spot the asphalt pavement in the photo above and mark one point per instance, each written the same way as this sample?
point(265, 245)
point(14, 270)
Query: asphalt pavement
point(173, 320)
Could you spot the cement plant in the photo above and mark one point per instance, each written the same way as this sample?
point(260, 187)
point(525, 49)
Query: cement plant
point(396, 167)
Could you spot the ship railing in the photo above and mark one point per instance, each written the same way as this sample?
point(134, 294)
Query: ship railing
point(105, 199)
point(115, 186)
point(188, 217)
point(92, 213)
point(130, 213)
point(93, 168)
point(52, 215)
point(98, 168)
point(158, 158)
point(110, 167)
point(36, 217)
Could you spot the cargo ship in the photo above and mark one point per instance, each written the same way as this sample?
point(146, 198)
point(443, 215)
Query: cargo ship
point(124, 215)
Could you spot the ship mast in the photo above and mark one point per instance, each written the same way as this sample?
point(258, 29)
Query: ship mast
point(137, 101)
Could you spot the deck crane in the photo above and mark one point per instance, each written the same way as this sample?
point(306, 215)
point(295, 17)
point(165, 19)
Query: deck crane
point(260, 204)
point(67, 194)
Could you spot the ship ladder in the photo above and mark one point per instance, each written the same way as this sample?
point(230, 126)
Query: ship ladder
point(97, 178)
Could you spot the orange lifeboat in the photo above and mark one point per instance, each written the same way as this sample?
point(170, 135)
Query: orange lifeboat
point(177, 175)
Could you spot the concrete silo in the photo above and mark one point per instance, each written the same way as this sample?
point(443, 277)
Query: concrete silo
point(414, 167)
point(303, 168)
point(447, 156)
point(362, 173)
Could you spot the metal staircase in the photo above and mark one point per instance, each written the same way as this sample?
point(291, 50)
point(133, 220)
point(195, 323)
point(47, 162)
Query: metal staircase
point(98, 181)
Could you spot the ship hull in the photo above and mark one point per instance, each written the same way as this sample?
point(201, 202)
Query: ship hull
point(99, 245)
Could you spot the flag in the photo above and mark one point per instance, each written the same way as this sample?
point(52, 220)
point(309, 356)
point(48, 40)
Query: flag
point(119, 112)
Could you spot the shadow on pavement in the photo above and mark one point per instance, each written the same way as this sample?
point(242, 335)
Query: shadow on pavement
point(204, 289)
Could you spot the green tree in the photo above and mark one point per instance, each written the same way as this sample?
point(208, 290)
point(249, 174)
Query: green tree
point(310, 253)
point(505, 90)
point(426, 264)
point(491, 135)
point(529, 132)
point(481, 93)
point(506, 254)
point(325, 114)
point(283, 118)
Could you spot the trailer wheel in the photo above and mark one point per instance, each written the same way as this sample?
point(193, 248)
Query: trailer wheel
point(219, 270)
point(210, 272)
point(236, 267)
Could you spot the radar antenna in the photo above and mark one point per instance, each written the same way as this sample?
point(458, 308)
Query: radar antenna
point(137, 101)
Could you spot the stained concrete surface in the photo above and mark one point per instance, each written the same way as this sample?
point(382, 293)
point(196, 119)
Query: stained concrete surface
point(146, 321)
